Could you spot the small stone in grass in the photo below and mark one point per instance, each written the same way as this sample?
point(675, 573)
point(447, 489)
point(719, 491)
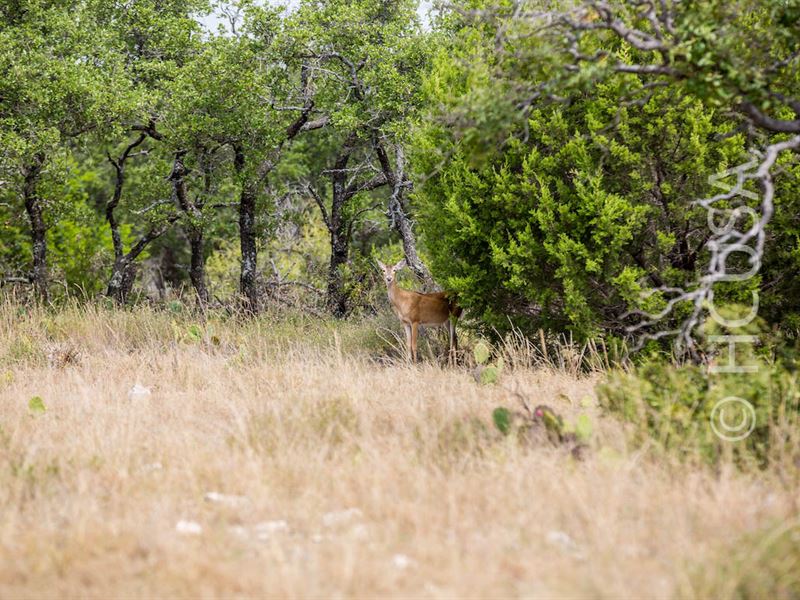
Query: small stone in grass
point(188, 527)
point(138, 393)
point(266, 529)
point(401, 561)
point(562, 540)
point(227, 499)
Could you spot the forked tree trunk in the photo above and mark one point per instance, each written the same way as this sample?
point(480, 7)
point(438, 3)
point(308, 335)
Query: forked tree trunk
point(339, 225)
point(194, 227)
point(251, 183)
point(123, 272)
point(33, 207)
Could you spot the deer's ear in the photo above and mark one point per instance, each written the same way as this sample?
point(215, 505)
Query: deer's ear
point(381, 266)
point(400, 264)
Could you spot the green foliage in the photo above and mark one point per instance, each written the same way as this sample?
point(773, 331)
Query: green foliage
point(36, 406)
point(489, 375)
point(502, 419)
point(194, 332)
point(560, 214)
point(556, 231)
point(481, 352)
point(544, 196)
point(485, 372)
point(583, 427)
point(543, 425)
point(674, 407)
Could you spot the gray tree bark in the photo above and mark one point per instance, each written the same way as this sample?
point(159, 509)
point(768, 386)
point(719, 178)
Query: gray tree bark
point(33, 207)
point(397, 213)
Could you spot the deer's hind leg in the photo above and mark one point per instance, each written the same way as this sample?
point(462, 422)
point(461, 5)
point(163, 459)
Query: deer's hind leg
point(453, 346)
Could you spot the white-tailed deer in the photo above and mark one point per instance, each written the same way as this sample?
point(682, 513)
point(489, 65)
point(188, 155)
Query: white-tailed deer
point(415, 309)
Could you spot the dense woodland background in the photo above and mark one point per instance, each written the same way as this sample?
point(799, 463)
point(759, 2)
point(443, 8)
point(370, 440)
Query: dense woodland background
point(543, 160)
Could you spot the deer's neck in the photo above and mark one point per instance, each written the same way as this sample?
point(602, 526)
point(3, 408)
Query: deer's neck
point(395, 293)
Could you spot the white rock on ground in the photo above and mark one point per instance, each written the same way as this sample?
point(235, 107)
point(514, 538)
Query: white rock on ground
point(401, 561)
point(563, 541)
point(227, 499)
point(267, 529)
point(188, 527)
point(138, 392)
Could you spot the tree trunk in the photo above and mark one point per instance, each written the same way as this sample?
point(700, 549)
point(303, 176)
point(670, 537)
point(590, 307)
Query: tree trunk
point(197, 270)
point(340, 226)
point(403, 226)
point(33, 206)
point(123, 272)
point(337, 296)
point(247, 241)
point(248, 280)
point(120, 285)
point(247, 238)
point(194, 228)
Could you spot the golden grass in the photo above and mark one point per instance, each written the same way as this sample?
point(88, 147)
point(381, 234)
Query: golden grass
point(298, 422)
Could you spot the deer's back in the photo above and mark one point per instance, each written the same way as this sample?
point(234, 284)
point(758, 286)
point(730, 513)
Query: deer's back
point(429, 309)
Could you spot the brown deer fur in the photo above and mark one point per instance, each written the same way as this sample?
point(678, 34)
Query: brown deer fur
point(415, 309)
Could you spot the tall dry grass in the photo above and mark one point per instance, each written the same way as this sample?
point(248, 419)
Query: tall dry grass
point(340, 471)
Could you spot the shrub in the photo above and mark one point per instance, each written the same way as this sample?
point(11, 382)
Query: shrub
point(673, 407)
point(565, 225)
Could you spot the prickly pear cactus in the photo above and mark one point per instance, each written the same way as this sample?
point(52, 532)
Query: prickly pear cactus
point(486, 373)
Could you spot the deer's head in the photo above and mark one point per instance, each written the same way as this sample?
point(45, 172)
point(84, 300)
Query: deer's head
point(389, 272)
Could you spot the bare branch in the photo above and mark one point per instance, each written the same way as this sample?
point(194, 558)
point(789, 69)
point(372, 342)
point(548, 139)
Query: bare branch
point(153, 233)
point(315, 124)
point(321, 203)
point(153, 206)
point(149, 129)
point(770, 123)
point(366, 186)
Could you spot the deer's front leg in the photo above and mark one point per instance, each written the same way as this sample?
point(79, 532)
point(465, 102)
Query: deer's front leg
point(407, 327)
point(414, 330)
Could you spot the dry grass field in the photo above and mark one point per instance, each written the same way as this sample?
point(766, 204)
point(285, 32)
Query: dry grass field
point(294, 458)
